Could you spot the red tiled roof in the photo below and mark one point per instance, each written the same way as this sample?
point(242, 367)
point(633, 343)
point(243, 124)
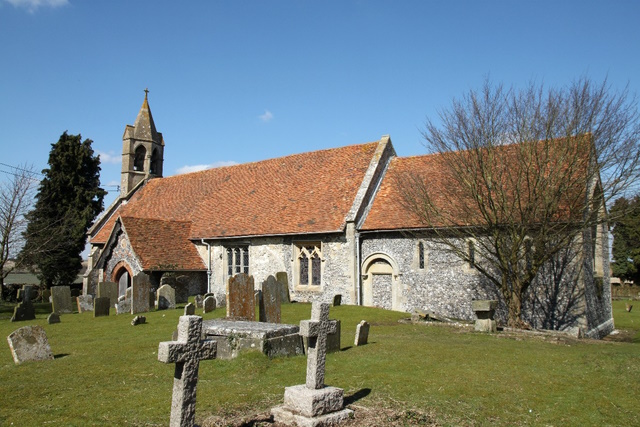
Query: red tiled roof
point(162, 245)
point(303, 193)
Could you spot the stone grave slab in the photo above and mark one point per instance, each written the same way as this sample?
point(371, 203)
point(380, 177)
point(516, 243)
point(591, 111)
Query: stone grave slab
point(269, 309)
point(61, 299)
point(485, 311)
point(29, 343)
point(209, 304)
point(140, 288)
point(165, 298)
point(85, 303)
point(109, 290)
point(101, 306)
point(362, 333)
point(283, 286)
point(236, 336)
point(240, 297)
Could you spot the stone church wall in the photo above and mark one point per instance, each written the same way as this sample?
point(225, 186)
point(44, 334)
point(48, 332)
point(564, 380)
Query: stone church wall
point(121, 251)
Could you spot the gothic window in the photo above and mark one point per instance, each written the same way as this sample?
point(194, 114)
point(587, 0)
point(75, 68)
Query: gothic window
point(138, 160)
point(154, 163)
point(237, 260)
point(309, 264)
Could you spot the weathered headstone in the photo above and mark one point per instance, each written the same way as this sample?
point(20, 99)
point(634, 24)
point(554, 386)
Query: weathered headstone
point(240, 298)
point(61, 299)
point(140, 289)
point(166, 297)
point(85, 303)
point(189, 310)
point(101, 306)
point(269, 308)
point(186, 352)
point(337, 300)
point(197, 300)
point(53, 318)
point(138, 320)
point(24, 311)
point(29, 343)
point(108, 290)
point(182, 289)
point(362, 333)
point(124, 305)
point(485, 310)
point(283, 281)
point(314, 404)
point(26, 293)
point(209, 304)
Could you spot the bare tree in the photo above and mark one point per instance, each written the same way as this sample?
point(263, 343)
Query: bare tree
point(525, 172)
point(16, 198)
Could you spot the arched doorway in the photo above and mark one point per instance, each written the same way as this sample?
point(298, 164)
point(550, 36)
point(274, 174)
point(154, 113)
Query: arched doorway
point(380, 283)
point(122, 276)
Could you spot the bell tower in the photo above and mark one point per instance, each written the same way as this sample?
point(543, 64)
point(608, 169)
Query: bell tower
point(142, 150)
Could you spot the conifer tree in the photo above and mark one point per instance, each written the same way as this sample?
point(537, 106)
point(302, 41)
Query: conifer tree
point(68, 200)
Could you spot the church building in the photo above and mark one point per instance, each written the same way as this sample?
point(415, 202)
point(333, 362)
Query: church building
point(330, 219)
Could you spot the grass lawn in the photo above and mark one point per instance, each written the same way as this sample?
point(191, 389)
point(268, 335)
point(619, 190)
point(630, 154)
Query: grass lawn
point(106, 373)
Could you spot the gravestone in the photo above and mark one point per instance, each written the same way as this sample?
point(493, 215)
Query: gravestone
point(186, 352)
point(24, 311)
point(165, 297)
point(209, 304)
point(197, 300)
point(337, 300)
point(29, 343)
point(138, 320)
point(53, 318)
point(124, 305)
point(313, 403)
point(269, 308)
point(240, 298)
point(189, 310)
point(283, 286)
point(485, 310)
point(362, 333)
point(26, 293)
point(85, 303)
point(333, 339)
point(61, 299)
point(140, 289)
point(182, 289)
point(101, 306)
point(108, 290)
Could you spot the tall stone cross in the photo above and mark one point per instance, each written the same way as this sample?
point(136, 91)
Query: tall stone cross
point(186, 353)
point(316, 331)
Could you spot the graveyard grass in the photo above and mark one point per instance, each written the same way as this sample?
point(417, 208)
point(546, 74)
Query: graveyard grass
point(106, 373)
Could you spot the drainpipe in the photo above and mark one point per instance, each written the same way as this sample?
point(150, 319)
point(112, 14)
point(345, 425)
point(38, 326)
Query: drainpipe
point(358, 272)
point(208, 265)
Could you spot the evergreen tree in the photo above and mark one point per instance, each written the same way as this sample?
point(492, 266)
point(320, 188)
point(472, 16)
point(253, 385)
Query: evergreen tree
point(626, 239)
point(68, 200)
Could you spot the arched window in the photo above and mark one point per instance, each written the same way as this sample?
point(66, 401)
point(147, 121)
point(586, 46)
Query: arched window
point(138, 160)
point(154, 163)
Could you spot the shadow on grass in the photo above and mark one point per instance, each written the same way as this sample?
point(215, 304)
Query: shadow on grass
point(353, 398)
point(60, 356)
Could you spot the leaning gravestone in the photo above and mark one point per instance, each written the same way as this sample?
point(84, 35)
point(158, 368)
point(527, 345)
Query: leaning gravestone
point(269, 308)
point(283, 281)
point(186, 352)
point(29, 343)
point(313, 403)
point(61, 299)
point(362, 333)
point(209, 304)
point(85, 303)
point(240, 298)
point(165, 297)
point(101, 306)
point(140, 289)
point(109, 290)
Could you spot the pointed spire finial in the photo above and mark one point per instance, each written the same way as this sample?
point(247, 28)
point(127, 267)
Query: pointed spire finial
point(146, 92)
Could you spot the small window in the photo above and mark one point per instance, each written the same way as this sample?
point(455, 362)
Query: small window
point(421, 256)
point(237, 260)
point(309, 264)
point(471, 248)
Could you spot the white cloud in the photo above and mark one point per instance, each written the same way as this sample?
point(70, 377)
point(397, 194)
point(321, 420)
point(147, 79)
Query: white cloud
point(109, 157)
point(266, 117)
point(33, 5)
point(197, 168)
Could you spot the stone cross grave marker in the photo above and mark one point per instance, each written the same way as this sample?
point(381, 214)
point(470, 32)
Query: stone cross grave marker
point(140, 289)
point(186, 352)
point(316, 331)
point(61, 299)
point(240, 298)
point(270, 302)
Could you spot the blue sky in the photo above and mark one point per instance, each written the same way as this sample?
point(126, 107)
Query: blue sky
point(240, 81)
